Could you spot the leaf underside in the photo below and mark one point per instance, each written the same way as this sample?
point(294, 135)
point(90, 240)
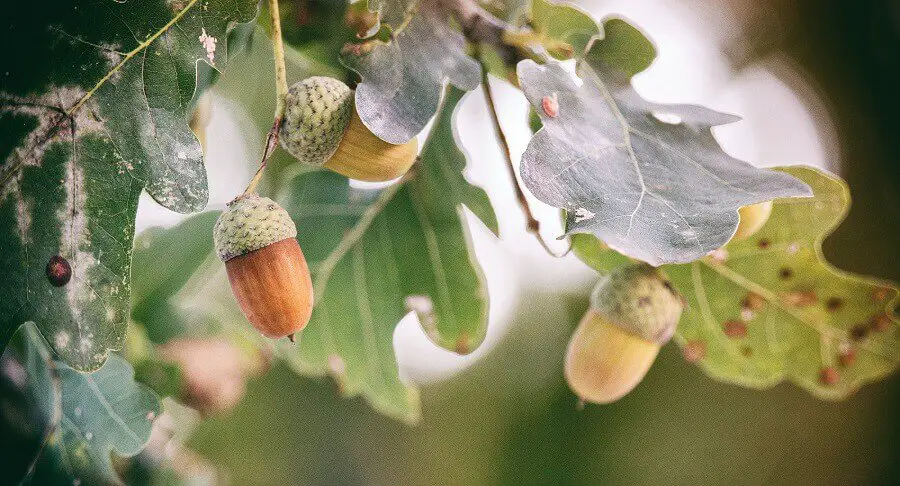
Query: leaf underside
point(648, 179)
point(93, 109)
point(402, 80)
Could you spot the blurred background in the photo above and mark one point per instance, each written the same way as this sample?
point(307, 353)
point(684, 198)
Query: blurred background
point(816, 82)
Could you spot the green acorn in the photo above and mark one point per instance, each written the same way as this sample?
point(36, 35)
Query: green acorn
point(634, 311)
point(255, 237)
point(321, 128)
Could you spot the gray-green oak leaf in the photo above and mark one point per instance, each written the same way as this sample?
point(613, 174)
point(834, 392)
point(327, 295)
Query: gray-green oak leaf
point(86, 416)
point(402, 79)
point(648, 179)
point(94, 100)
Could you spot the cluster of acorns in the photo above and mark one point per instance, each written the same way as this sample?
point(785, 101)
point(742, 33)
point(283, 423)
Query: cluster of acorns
point(256, 237)
point(633, 312)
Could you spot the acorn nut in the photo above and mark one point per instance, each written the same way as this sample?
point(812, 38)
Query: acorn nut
point(753, 217)
point(634, 311)
point(255, 238)
point(322, 128)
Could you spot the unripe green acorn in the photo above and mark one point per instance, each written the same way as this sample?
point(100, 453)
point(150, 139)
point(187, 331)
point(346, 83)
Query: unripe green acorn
point(753, 217)
point(255, 237)
point(634, 311)
point(321, 128)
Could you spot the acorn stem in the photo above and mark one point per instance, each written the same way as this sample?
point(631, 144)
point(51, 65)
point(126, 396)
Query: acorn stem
point(532, 225)
point(281, 86)
point(281, 90)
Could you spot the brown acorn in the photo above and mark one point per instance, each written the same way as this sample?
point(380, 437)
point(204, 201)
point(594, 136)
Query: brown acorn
point(255, 238)
point(322, 128)
point(634, 311)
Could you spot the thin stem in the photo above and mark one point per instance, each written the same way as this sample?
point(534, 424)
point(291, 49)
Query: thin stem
point(326, 267)
point(281, 86)
point(533, 226)
point(281, 91)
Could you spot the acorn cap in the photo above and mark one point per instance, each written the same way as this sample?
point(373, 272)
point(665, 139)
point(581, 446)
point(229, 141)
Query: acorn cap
point(640, 300)
point(251, 222)
point(317, 112)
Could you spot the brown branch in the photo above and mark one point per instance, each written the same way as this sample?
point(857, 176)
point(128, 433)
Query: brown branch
point(533, 226)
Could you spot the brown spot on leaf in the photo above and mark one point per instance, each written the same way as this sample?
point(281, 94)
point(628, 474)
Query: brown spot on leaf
point(834, 304)
point(753, 301)
point(829, 376)
point(880, 293)
point(747, 351)
point(694, 351)
point(799, 298)
point(59, 272)
point(848, 357)
point(881, 323)
point(463, 344)
point(734, 329)
point(785, 273)
point(764, 243)
point(859, 332)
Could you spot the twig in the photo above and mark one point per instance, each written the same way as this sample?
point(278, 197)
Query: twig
point(326, 267)
point(532, 224)
point(281, 91)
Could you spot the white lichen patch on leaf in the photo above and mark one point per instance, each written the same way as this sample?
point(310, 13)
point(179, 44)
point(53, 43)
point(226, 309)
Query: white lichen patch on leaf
point(582, 214)
point(209, 43)
point(74, 246)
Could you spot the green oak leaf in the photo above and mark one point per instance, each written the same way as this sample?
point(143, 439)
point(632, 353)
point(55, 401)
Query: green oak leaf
point(403, 78)
point(87, 416)
point(648, 179)
point(94, 102)
point(564, 29)
point(370, 269)
point(393, 13)
point(771, 308)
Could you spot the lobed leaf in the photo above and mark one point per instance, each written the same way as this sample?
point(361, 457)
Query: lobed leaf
point(87, 416)
point(564, 29)
point(771, 308)
point(648, 179)
point(93, 108)
point(402, 79)
point(370, 269)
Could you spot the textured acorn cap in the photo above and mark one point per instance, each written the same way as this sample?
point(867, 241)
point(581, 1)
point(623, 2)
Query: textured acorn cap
point(639, 299)
point(251, 222)
point(317, 111)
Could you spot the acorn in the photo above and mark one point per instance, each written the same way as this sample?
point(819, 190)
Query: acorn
point(753, 217)
point(634, 311)
point(255, 237)
point(322, 128)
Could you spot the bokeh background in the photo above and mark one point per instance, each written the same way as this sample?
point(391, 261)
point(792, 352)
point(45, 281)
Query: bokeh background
point(817, 83)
